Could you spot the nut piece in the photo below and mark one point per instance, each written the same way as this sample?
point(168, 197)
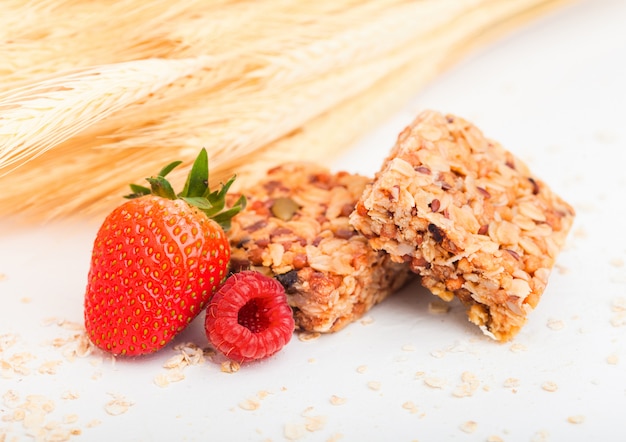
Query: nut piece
point(469, 217)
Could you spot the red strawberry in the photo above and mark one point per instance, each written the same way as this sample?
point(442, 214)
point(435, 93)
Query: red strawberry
point(156, 261)
point(249, 318)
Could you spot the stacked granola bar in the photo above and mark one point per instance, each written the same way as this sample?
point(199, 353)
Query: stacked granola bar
point(468, 217)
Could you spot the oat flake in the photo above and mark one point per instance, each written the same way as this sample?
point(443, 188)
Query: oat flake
point(576, 419)
point(612, 359)
point(550, 386)
point(374, 385)
point(468, 427)
point(337, 400)
point(433, 382)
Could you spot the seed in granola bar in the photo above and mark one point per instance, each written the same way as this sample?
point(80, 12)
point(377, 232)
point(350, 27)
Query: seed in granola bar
point(435, 205)
point(437, 234)
point(288, 280)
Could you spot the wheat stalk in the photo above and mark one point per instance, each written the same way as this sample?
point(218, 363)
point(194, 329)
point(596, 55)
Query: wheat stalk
point(256, 84)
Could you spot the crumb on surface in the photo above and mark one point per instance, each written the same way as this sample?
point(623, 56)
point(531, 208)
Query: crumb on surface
point(550, 386)
point(305, 336)
point(576, 419)
point(469, 385)
point(434, 382)
point(438, 307)
point(230, 366)
point(555, 324)
point(410, 406)
point(374, 385)
point(468, 426)
point(337, 400)
point(117, 405)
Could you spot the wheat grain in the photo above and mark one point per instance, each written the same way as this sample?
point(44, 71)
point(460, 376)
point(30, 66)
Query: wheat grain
point(255, 82)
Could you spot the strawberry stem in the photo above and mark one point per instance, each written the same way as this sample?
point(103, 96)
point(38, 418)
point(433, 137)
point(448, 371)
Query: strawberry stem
point(196, 191)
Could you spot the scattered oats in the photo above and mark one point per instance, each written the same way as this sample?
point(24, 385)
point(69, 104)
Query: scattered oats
point(410, 406)
point(494, 438)
point(249, 404)
point(49, 367)
point(161, 380)
point(294, 431)
point(58, 435)
point(619, 319)
point(49, 321)
point(468, 386)
point(408, 347)
point(118, 405)
point(468, 427)
point(336, 400)
point(3, 276)
point(315, 423)
point(419, 374)
point(486, 388)
point(262, 394)
point(34, 419)
point(93, 423)
point(433, 382)
point(71, 325)
point(11, 398)
point(555, 324)
point(308, 336)
point(580, 233)
point(617, 262)
point(540, 436)
point(619, 305)
point(96, 375)
point(25, 300)
point(438, 354)
point(76, 432)
point(550, 386)
point(511, 383)
point(70, 418)
point(311, 360)
point(374, 385)
point(7, 340)
point(230, 366)
point(518, 348)
point(334, 438)
point(367, 320)
point(361, 369)
point(577, 419)
point(175, 361)
point(438, 307)
point(612, 359)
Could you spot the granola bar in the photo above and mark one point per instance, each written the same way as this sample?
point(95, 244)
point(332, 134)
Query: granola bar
point(295, 227)
point(469, 217)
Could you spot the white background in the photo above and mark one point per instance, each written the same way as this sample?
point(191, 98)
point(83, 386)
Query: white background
point(553, 94)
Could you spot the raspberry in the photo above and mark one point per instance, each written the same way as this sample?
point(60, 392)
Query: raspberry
point(249, 318)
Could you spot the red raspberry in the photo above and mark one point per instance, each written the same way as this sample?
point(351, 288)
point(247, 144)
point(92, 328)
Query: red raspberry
point(248, 318)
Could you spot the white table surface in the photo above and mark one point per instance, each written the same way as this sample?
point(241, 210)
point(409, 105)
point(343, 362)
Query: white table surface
point(554, 94)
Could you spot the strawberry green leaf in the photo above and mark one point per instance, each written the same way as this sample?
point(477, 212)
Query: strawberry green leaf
point(167, 169)
point(138, 191)
point(223, 218)
point(198, 179)
point(196, 191)
point(161, 187)
point(200, 202)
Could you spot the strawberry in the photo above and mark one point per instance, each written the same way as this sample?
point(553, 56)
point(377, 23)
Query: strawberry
point(249, 317)
point(156, 261)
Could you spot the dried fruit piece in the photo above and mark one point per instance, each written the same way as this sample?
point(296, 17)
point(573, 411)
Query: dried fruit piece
point(248, 318)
